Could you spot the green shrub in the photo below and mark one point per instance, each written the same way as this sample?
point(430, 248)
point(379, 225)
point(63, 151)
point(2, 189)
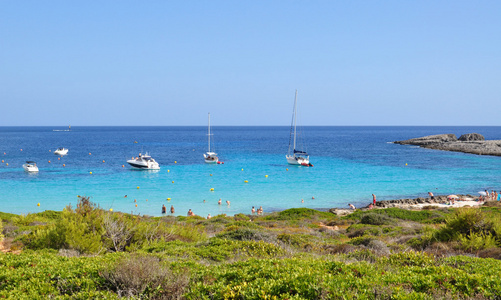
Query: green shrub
point(142, 276)
point(245, 234)
point(376, 219)
point(299, 214)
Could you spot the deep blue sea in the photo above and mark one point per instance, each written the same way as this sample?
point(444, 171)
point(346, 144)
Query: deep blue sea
point(350, 164)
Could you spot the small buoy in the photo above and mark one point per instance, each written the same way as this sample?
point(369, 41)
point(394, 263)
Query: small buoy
point(212, 189)
point(111, 209)
point(146, 200)
point(78, 196)
point(50, 150)
point(21, 149)
point(90, 173)
point(246, 181)
point(90, 153)
point(2, 161)
point(38, 204)
point(136, 205)
point(4, 153)
point(175, 161)
point(138, 187)
point(172, 181)
point(242, 169)
point(49, 161)
point(135, 142)
point(168, 199)
point(286, 169)
point(103, 160)
point(210, 174)
point(64, 165)
point(168, 171)
point(7, 164)
point(123, 166)
point(59, 158)
point(406, 164)
point(266, 176)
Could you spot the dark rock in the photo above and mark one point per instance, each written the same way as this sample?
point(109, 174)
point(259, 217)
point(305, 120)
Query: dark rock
point(471, 137)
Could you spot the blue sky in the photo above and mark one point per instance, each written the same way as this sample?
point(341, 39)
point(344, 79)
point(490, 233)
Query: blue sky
point(171, 62)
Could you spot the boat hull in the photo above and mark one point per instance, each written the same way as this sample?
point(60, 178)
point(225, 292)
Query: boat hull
point(61, 152)
point(211, 159)
point(29, 168)
point(142, 166)
point(298, 161)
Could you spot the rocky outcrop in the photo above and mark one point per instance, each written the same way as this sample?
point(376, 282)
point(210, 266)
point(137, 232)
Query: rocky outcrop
point(473, 143)
point(471, 137)
point(429, 140)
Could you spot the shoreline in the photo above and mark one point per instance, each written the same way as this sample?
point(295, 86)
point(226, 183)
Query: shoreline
point(417, 204)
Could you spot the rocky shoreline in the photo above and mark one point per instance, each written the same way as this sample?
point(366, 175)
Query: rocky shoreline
point(416, 203)
point(473, 143)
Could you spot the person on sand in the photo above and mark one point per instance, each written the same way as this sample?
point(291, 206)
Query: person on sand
point(172, 209)
point(352, 206)
point(164, 209)
point(208, 216)
point(374, 199)
point(253, 210)
point(487, 194)
point(432, 197)
point(219, 202)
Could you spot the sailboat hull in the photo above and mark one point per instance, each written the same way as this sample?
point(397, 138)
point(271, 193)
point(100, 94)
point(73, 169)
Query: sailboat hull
point(297, 160)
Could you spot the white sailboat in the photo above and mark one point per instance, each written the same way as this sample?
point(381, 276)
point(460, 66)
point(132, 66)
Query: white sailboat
point(210, 157)
point(296, 157)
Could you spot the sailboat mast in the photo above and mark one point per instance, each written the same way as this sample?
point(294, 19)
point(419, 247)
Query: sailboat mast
point(209, 132)
point(295, 117)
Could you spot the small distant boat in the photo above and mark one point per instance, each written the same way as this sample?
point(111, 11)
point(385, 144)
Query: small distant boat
point(61, 151)
point(144, 162)
point(296, 157)
point(210, 157)
point(30, 166)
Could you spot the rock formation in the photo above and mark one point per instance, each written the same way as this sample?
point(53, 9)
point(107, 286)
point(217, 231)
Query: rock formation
point(473, 143)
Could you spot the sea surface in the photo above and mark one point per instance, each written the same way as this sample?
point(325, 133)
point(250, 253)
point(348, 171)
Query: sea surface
point(350, 164)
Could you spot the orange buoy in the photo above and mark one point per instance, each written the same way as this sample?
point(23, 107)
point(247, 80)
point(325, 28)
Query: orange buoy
point(49, 161)
point(90, 153)
point(123, 166)
point(64, 165)
point(136, 205)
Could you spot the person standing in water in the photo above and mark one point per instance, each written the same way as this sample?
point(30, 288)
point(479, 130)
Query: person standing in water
point(172, 209)
point(164, 209)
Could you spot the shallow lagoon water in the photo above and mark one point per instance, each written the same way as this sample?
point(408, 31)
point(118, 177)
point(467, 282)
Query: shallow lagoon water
point(350, 163)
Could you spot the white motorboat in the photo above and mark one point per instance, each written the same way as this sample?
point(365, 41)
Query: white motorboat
point(61, 151)
point(144, 162)
point(294, 156)
point(30, 166)
point(210, 157)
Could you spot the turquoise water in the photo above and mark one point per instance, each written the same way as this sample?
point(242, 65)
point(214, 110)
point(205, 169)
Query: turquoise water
point(350, 163)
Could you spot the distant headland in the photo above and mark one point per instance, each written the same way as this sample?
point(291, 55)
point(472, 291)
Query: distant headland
point(473, 143)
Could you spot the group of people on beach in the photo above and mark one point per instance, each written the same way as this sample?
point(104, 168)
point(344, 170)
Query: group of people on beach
point(492, 196)
point(259, 211)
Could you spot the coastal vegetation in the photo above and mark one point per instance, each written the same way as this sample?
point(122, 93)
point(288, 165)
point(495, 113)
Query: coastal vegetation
point(87, 252)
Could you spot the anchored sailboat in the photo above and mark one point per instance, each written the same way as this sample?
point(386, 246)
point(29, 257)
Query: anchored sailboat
point(296, 157)
point(210, 157)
